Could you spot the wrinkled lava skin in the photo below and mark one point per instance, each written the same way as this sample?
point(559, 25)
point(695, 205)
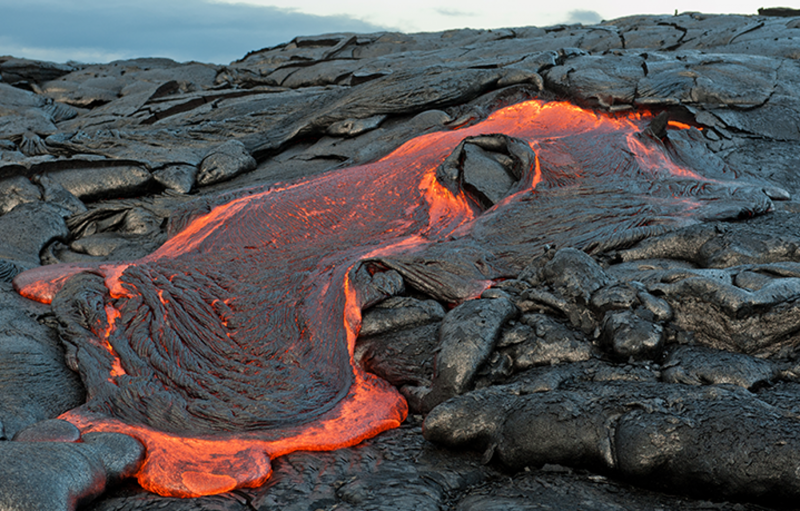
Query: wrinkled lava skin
point(233, 343)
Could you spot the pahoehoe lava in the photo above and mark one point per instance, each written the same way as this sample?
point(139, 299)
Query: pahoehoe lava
point(233, 342)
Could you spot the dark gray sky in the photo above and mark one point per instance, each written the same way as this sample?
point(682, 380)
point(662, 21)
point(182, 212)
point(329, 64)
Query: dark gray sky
point(105, 30)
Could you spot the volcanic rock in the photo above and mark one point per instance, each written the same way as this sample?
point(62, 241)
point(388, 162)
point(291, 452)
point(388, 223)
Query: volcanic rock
point(603, 427)
point(574, 275)
point(9, 270)
point(467, 337)
point(541, 340)
point(631, 336)
point(17, 190)
point(403, 357)
point(30, 467)
point(51, 430)
point(25, 71)
point(398, 338)
point(54, 193)
point(486, 174)
point(28, 228)
point(488, 166)
point(95, 182)
point(717, 288)
point(398, 314)
point(226, 161)
point(180, 178)
point(696, 365)
point(23, 112)
point(36, 384)
point(615, 296)
point(657, 343)
point(354, 127)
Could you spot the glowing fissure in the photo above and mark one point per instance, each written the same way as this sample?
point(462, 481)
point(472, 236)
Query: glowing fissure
point(233, 343)
point(651, 159)
point(111, 317)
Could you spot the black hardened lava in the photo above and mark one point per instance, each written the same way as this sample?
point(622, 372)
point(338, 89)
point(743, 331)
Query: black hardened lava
point(233, 342)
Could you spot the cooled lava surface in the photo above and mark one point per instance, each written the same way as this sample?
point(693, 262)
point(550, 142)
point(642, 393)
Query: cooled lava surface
point(233, 343)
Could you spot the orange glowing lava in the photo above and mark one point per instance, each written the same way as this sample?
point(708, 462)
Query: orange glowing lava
point(233, 343)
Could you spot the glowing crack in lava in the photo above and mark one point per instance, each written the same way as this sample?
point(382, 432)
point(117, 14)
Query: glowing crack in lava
point(233, 343)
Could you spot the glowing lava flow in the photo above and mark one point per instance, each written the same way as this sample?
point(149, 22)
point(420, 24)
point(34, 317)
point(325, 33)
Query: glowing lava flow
point(233, 343)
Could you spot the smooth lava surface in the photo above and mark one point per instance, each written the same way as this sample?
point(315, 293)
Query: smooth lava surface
point(233, 343)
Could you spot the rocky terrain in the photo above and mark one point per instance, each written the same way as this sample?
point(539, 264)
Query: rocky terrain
point(653, 366)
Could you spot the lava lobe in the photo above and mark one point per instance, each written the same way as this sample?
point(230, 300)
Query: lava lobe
point(233, 343)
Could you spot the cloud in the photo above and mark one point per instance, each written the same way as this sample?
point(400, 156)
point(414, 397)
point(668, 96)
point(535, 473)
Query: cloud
point(583, 16)
point(179, 29)
point(454, 13)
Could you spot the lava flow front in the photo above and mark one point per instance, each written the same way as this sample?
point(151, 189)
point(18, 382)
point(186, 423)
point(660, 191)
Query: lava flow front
point(233, 343)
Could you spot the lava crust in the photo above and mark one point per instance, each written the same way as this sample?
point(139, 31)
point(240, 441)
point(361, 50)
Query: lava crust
point(233, 343)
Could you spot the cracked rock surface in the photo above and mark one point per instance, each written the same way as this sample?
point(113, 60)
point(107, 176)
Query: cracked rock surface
point(657, 367)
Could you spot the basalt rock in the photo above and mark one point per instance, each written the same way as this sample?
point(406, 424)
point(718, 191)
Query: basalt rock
point(728, 278)
point(51, 430)
point(650, 246)
point(26, 71)
point(17, 190)
point(28, 467)
point(541, 340)
point(54, 193)
point(28, 228)
point(180, 178)
point(696, 365)
point(397, 339)
point(630, 336)
point(489, 167)
point(615, 427)
point(226, 161)
point(95, 182)
point(467, 337)
point(35, 384)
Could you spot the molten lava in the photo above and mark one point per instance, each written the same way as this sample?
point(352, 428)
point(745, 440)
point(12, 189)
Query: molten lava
point(233, 343)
